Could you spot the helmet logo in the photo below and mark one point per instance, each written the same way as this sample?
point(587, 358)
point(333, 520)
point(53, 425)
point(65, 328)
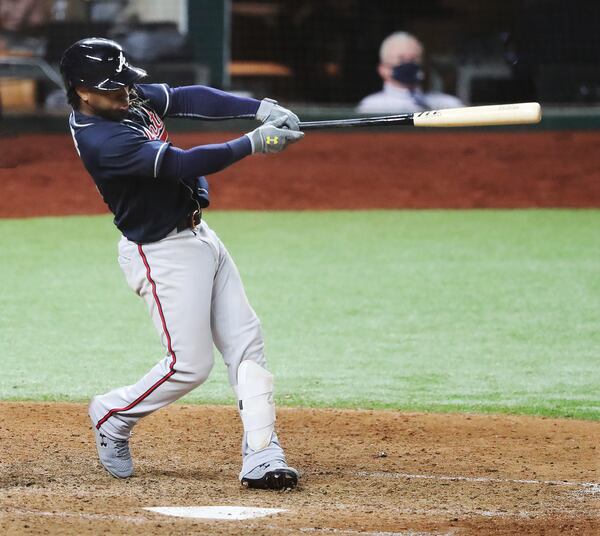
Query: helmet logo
point(122, 62)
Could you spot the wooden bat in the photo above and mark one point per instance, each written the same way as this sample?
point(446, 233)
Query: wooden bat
point(523, 113)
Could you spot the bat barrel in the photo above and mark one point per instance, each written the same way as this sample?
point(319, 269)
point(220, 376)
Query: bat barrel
point(523, 113)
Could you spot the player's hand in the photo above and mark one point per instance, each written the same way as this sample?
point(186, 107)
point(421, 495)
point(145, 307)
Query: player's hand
point(272, 138)
point(269, 111)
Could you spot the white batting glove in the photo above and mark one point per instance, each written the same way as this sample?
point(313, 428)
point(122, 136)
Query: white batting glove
point(269, 110)
point(271, 138)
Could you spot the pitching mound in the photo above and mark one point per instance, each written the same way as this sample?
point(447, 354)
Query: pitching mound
point(363, 473)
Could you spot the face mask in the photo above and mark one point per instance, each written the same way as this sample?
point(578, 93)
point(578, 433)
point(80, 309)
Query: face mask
point(409, 74)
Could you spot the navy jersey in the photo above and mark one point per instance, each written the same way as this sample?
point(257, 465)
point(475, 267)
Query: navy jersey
point(125, 157)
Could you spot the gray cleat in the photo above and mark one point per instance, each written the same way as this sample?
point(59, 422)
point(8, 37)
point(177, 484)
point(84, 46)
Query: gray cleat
point(271, 475)
point(114, 454)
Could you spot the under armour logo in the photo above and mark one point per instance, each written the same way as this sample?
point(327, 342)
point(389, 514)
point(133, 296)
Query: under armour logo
point(272, 140)
point(103, 442)
point(122, 62)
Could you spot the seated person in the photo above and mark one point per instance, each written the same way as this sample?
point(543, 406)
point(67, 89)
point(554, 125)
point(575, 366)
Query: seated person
point(400, 67)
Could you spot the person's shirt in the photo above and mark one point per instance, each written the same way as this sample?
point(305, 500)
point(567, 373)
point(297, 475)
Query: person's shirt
point(147, 184)
point(396, 100)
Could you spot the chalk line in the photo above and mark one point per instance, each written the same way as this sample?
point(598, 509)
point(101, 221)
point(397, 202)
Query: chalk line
point(594, 487)
point(80, 515)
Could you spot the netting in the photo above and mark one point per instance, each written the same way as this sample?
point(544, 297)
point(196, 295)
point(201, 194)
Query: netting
point(328, 51)
point(323, 52)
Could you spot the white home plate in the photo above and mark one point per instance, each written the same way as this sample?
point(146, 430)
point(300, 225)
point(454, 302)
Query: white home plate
point(215, 512)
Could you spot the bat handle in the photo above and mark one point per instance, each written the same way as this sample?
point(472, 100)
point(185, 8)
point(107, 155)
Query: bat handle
point(333, 123)
point(400, 119)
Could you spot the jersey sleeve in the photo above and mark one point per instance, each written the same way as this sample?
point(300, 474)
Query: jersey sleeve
point(158, 96)
point(180, 164)
point(207, 103)
point(127, 153)
point(197, 102)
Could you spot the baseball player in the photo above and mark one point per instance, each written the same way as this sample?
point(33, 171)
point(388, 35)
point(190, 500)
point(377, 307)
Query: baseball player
point(169, 255)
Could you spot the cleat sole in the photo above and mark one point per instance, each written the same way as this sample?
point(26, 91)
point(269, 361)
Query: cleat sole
point(278, 479)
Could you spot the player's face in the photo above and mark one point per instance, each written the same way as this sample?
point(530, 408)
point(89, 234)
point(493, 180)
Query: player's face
point(112, 105)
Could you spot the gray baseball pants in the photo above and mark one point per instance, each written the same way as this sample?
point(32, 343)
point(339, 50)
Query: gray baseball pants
point(195, 297)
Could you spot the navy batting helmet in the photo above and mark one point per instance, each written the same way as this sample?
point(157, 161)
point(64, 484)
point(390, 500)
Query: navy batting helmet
point(97, 63)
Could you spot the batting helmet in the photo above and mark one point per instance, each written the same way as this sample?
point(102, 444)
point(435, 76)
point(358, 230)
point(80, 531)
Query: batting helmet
point(97, 63)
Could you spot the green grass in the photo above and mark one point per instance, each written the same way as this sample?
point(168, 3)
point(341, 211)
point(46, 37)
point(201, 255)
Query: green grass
point(484, 311)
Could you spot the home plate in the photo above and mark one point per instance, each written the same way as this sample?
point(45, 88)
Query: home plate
point(232, 513)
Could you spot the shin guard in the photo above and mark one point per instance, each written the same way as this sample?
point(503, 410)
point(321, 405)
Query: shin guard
point(257, 410)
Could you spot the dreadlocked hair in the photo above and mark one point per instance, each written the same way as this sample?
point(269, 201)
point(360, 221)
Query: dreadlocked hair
point(135, 101)
point(73, 98)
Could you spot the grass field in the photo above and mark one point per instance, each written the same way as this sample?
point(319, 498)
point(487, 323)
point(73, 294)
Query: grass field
point(486, 311)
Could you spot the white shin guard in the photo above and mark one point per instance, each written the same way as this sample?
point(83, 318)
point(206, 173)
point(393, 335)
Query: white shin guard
point(257, 410)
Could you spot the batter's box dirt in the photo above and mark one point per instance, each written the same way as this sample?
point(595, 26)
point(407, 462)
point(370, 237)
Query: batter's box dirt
point(364, 473)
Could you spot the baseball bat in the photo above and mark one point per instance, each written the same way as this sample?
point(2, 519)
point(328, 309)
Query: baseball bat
point(523, 113)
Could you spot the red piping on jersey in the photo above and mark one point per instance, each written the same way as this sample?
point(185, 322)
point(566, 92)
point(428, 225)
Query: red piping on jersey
point(169, 347)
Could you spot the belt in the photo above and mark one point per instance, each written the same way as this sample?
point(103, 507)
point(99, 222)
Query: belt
point(191, 221)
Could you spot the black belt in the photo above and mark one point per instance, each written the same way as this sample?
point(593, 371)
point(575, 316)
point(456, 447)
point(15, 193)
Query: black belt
point(191, 221)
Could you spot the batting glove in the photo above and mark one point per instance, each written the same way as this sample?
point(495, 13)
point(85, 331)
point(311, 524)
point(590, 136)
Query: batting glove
point(271, 138)
point(269, 110)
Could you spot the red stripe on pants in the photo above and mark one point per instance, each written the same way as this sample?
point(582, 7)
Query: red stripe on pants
point(169, 347)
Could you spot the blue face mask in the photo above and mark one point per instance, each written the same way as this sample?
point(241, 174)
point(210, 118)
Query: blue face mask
point(409, 74)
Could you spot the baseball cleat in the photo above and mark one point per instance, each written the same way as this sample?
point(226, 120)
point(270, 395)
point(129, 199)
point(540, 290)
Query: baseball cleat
point(274, 475)
point(114, 455)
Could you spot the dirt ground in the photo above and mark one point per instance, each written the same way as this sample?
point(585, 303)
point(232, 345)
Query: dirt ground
point(363, 473)
point(42, 175)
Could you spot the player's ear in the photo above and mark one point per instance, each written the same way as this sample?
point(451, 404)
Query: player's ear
point(84, 93)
